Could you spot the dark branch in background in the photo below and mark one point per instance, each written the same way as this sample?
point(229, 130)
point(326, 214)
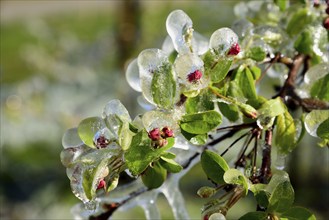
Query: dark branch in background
point(265, 170)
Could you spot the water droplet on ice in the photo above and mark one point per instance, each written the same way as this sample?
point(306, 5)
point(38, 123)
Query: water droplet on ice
point(132, 76)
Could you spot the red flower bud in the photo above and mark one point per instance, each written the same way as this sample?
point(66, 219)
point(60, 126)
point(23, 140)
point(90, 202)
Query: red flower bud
point(102, 142)
point(101, 184)
point(234, 50)
point(154, 134)
point(167, 132)
point(195, 76)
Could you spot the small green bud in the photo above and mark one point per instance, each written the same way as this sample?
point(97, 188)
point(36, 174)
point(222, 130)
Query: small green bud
point(248, 110)
point(206, 192)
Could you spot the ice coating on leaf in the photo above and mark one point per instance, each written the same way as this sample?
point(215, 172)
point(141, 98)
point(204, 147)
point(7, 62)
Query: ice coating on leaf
point(167, 45)
point(115, 115)
point(180, 28)
point(150, 62)
point(187, 64)
point(144, 103)
point(314, 119)
point(69, 155)
point(132, 76)
point(222, 40)
point(158, 119)
point(316, 72)
point(273, 36)
point(71, 138)
point(200, 43)
point(88, 128)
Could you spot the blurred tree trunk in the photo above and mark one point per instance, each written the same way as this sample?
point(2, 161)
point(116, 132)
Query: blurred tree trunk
point(128, 29)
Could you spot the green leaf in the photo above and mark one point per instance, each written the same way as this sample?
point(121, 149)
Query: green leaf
point(202, 102)
point(125, 136)
point(323, 130)
point(268, 111)
point(283, 4)
point(196, 139)
point(88, 128)
point(254, 216)
point(168, 155)
point(170, 165)
point(164, 87)
point(246, 82)
point(282, 198)
point(234, 176)
point(231, 112)
point(92, 176)
point(154, 176)
point(298, 213)
point(256, 53)
point(285, 133)
point(320, 88)
point(262, 196)
point(299, 20)
point(200, 123)
point(214, 166)
point(217, 69)
point(314, 119)
point(141, 153)
point(256, 72)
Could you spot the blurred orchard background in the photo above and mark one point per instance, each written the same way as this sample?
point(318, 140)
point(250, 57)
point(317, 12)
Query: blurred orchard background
point(62, 61)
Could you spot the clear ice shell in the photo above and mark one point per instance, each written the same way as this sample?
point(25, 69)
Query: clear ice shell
point(316, 72)
point(273, 36)
point(280, 161)
point(186, 64)
point(132, 76)
point(180, 28)
point(200, 44)
point(69, 155)
point(115, 114)
point(149, 61)
point(71, 138)
point(242, 27)
point(222, 40)
point(314, 119)
point(145, 104)
point(158, 119)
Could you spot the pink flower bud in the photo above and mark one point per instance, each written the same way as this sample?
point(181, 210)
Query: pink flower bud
point(234, 50)
point(167, 132)
point(195, 76)
point(101, 184)
point(326, 23)
point(154, 134)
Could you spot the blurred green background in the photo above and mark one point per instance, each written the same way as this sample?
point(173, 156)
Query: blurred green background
point(62, 61)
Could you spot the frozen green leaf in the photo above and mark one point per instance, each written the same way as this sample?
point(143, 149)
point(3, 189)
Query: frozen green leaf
point(254, 216)
point(214, 166)
point(256, 53)
point(272, 108)
point(299, 20)
point(200, 103)
point(314, 119)
point(200, 123)
point(154, 176)
point(297, 213)
point(168, 155)
point(88, 128)
point(216, 68)
point(164, 86)
point(92, 176)
point(320, 88)
point(323, 130)
point(196, 139)
point(285, 133)
point(170, 165)
point(281, 198)
point(234, 176)
point(206, 191)
point(141, 153)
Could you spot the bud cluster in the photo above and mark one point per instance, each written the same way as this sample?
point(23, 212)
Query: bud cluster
point(159, 137)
